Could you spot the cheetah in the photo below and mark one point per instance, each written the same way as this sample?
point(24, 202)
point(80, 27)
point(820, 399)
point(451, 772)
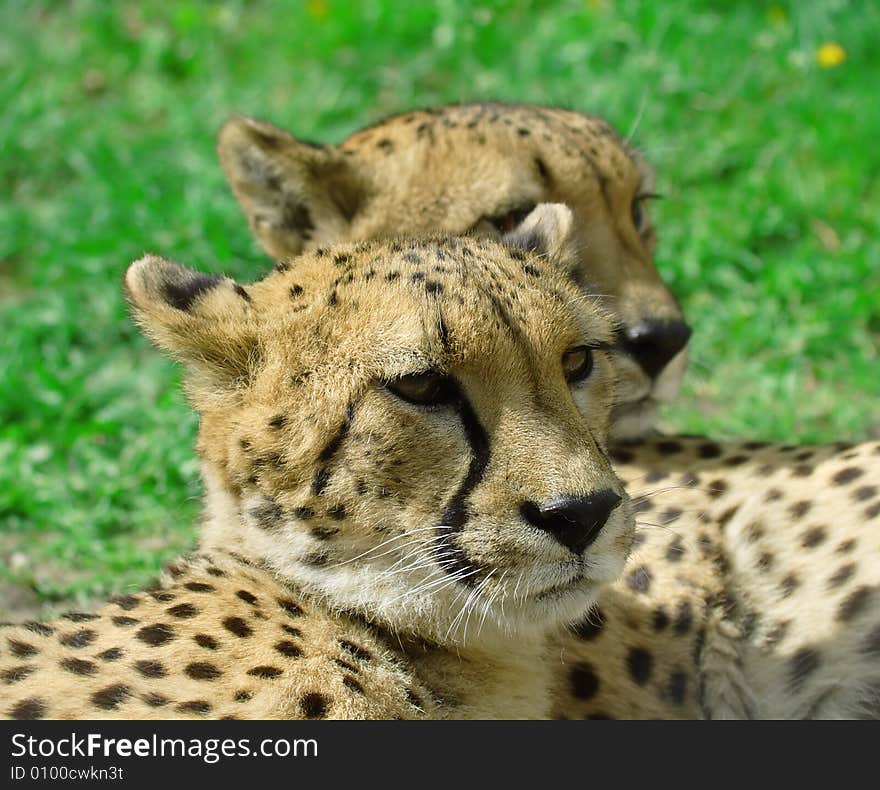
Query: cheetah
point(404, 450)
point(718, 613)
point(479, 169)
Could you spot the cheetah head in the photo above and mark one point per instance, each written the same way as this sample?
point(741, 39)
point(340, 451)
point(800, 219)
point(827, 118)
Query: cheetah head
point(410, 430)
point(479, 168)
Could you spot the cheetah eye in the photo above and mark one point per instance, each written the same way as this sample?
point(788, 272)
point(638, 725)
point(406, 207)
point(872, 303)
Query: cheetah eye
point(507, 221)
point(637, 211)
point(424, 389)
point(577, 364)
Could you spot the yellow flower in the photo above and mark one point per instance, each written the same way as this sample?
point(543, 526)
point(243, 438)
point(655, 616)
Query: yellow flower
point(830, 54)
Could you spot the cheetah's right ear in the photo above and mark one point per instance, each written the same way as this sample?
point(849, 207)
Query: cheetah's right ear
point(547, 230)
point(291, 191)
point(207, 321)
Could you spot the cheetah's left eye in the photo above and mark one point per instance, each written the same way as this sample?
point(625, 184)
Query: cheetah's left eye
point(424, 389)
point(577, 364)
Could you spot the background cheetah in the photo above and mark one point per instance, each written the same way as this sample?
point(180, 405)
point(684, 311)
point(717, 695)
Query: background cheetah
point(703, 564)
point(401, 501)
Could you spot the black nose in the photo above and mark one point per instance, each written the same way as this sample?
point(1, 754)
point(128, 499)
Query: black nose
point(575, 521)
point(654, 342)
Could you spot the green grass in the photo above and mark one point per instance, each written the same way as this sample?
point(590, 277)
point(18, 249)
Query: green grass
point(769, 232)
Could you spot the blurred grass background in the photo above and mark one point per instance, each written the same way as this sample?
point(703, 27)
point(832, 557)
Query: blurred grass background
point(765, 141)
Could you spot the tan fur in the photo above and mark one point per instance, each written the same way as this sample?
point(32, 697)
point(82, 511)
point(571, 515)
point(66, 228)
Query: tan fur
point(355, 518)
point(471, 168)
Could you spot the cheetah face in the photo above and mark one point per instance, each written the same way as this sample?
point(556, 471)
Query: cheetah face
point(480, 169)
point(409, 430)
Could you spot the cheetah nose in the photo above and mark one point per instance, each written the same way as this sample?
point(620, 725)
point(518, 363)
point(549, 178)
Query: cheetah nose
point(575, 521)
point(654, 342)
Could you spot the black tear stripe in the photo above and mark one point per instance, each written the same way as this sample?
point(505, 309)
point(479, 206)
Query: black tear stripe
point(185, 291)
point(322, 477)
point(457, 512)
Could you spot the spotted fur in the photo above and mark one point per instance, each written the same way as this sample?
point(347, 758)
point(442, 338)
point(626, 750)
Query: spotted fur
point(478, 168)
point(362, 556)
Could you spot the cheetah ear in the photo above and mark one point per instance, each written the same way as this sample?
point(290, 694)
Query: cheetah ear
point(291, 191)
point(547, 230)
point(206, 321)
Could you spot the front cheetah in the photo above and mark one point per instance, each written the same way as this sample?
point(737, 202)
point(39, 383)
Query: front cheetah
point(756, 572)
point(403, 446)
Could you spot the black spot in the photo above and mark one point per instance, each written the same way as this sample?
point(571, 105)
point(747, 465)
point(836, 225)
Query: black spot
point(736, 460)
point(201, 587)
point(675, 551)
point(802, 664)
point(656, 476)
point(789, 584)
point(162, 596)
point(303, 513)
point(296, 290)
point(23, 649)
point(864, 492)
point(242, 292)
point(150, 669)
point(79, 617)
point(183, 610)
point(111, 697)
point(199, 670)
point(290, 607)
point(314, 705)
point(854, 603)
point(190, 285)
point(82, 638)
point(683, 618)
point(842, 574)
point(351, 683)
point(590, 626)
point(28, 710)
point(156, 634)
point(237, 626)
point(291, 630)
point(660, 619)
point(640, 664)
point(709, 450)
point(800, 509)
point(639, 580)
point(813, 537)
point(200, 706)
point(278, 421)
point(124, 622)
point(113, 654)
point(584, 682)
point(242, 696)
point(247, 597)
point(847, 475)
point(802, 470)
point(155, 700)
point(288, 649)
point(360, 653)
point(206, 641)
point(39, 628)
point(15, 674)
point(668, 448)
point(323, 475)
point(79, 666)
